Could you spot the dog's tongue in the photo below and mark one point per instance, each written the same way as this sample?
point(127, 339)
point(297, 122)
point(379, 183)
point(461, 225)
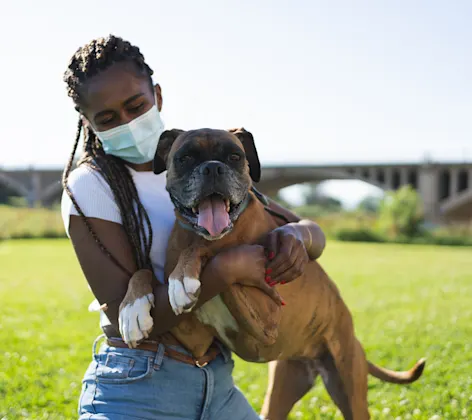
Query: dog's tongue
point(212, 215)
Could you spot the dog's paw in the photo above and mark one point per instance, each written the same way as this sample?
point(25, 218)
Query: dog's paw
point(192, 287)
point(183, 296)
point(135, 320)
point(94, 306)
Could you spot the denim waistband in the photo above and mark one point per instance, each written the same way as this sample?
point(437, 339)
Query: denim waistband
point(225, 352)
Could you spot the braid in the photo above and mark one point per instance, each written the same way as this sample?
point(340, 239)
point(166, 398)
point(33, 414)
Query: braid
point(88, 61)
point(97, 56)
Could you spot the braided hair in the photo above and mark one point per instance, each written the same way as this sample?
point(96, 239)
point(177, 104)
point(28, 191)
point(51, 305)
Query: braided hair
point(88, 61)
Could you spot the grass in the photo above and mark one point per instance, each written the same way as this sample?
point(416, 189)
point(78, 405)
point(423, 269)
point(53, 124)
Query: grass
point(408, 302)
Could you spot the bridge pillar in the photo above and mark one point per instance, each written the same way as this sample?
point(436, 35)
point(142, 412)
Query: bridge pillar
point(388, 178)
point(453, 181)
point(35, 190)
point(428, 180)
point(403, 176)
point(372, 175)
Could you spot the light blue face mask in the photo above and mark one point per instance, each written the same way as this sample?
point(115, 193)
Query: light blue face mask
point(135, 142)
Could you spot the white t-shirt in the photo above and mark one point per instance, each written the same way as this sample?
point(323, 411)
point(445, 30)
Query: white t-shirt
point(95, 199)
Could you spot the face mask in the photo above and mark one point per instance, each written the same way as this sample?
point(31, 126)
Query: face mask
point(135, 142)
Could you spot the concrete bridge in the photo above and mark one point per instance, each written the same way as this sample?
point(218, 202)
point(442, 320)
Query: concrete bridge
point(446, 188)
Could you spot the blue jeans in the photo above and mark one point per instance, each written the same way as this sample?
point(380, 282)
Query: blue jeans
point(125, 384)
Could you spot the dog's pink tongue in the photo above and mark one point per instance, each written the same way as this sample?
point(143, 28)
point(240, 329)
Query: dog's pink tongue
point(212, 215)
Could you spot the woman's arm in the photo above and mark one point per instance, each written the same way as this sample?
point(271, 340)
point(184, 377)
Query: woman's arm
point(307, 231)
point(109, 283)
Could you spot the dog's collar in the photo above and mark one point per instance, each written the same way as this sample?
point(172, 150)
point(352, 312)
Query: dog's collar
point(190, 228)
point(185, 226)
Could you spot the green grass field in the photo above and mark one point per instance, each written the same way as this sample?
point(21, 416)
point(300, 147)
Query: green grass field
point(408, 302)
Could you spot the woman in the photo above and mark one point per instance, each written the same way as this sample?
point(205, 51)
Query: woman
point(119, 218)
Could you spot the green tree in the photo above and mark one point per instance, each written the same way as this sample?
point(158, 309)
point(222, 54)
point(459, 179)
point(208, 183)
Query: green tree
point(280, 200)
point(401, 212)
point(315, 197)
point(369, 204)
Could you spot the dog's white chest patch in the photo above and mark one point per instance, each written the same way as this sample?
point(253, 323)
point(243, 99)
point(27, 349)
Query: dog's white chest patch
point(215, 313)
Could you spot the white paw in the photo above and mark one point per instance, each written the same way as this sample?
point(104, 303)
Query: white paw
point(135, 320)
point(94, 306)
point(192, 286)
point(182, 296)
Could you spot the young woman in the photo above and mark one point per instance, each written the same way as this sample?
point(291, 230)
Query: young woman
point(119, 218)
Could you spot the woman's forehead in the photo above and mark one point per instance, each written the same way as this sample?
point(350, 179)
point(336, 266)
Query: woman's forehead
point(110, 88)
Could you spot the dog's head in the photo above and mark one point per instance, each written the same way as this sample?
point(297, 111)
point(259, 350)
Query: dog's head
point(209, 175)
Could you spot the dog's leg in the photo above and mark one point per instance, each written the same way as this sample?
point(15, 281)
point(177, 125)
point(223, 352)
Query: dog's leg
point(333, 384)
point(351, 365)
point(134, 318)
point(289, 381)
point(184, 281)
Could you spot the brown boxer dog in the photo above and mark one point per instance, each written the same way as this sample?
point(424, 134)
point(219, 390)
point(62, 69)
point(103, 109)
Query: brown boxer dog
point(209, 179)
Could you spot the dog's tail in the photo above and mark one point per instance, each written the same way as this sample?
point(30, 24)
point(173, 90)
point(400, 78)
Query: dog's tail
point(406, 377)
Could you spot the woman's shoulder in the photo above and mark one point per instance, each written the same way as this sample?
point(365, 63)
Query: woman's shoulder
point(89, 190)
point(85, 176)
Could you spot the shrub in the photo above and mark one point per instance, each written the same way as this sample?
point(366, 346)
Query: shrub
point(26, 223)
point(427, 238)
point(358, 235)
point(401, 213)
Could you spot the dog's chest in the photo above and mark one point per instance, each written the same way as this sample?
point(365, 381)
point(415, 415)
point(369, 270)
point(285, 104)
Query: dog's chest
point(214, 313)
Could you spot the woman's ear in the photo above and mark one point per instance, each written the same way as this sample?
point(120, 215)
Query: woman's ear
point(157, 89)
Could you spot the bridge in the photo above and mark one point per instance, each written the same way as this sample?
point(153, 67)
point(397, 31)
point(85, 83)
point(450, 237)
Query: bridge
point(445, 187)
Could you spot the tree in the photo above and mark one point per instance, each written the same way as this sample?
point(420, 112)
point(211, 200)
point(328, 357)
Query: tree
point(314, 197)
point(370, 204)
point(280, 200)
point(401, 212)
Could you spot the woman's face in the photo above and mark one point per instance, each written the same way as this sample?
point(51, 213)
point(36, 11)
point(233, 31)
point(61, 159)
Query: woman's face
point(117, 96)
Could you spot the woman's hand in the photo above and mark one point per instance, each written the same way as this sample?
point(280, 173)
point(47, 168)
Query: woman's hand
point(246, 265)
point(287, 254)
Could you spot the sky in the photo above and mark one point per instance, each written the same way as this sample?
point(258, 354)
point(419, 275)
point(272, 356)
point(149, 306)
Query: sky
point(314, 81)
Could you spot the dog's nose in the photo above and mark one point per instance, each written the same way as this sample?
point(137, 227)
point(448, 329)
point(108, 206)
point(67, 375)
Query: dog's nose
point(212, 168)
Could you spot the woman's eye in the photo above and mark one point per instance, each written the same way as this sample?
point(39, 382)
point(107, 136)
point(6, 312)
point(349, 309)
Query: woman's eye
point(136, 108)
point(106, 122)
point(234, 157)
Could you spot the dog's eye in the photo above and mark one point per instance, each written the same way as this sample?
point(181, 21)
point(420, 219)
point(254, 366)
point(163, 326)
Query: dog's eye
point(185, 159)
point(234, 157)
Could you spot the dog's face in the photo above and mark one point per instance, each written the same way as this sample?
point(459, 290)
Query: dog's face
point(209, 174)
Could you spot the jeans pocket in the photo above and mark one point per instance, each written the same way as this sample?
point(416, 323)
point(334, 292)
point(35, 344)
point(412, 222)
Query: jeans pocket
point(116, 368)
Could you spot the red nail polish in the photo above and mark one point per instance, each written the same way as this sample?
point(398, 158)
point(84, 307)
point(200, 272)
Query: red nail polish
point(283, 282)
point(272, 284)
point(271, 255)
point(268, 271)
point(268, 279)
point(282, 302)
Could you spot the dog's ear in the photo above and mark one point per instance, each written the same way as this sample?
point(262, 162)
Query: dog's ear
point(166, 141)
point(246, 138)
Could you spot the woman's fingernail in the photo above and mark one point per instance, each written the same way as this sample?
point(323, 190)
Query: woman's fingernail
point(268, 279)
point(272, 284)
point(268, 271)
point(282, 302)
point(283, 282)
point(271, 255)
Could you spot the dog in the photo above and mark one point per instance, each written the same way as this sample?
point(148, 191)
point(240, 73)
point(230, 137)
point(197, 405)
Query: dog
point(210, 174)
